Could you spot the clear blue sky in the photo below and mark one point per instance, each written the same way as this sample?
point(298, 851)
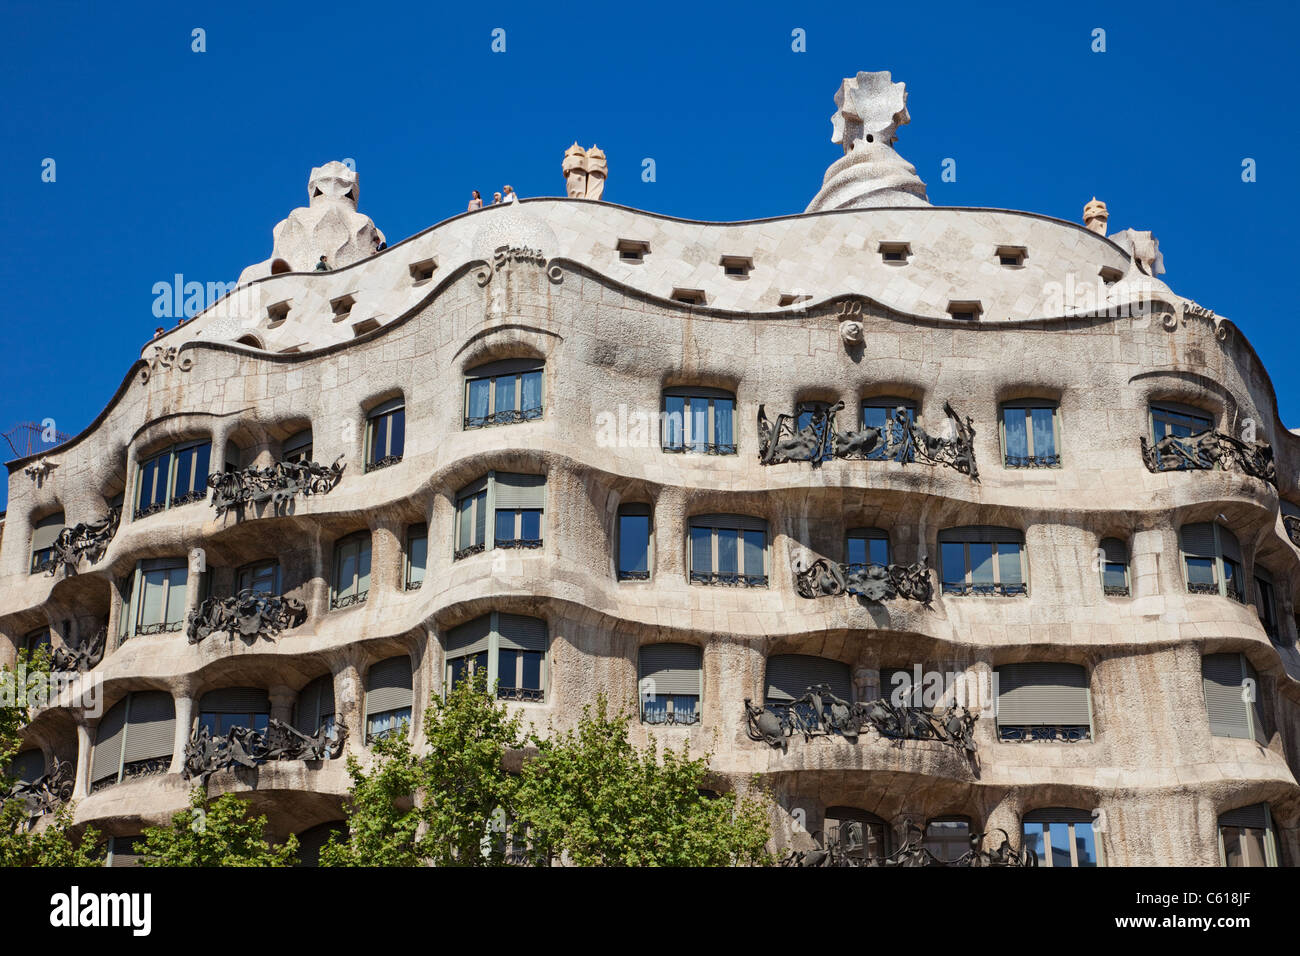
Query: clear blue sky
point(171, 161)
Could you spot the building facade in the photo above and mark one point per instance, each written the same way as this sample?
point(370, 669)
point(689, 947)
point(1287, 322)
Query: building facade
point(746, 477)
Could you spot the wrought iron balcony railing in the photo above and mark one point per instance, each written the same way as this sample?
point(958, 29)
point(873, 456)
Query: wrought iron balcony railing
point(633, 575)
point(1209, 450)
point(46, 793)
point(729, 579)
point(384, 462)
point(985, 590)
point(1115, 590)
point(190, 497)
point(148, 510)
point(249, 614)
point(348, 600)
point(846, 846)
point(517, 542)
point(533, 694)
point(243, 747)
point(161, 627)
point(468, 552)
point(277, 483)
point(139, 768)
point(510, 416)
point(698, 448)
point(873, 582)
point(88, 539)
point(1065, 733)
point(1032, 461)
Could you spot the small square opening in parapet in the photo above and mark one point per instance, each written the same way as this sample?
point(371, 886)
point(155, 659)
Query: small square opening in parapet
point(737, 267)
point(277, 313)
point(342, 306)
point(689, 296)
point(422, 271)
point(632, 250)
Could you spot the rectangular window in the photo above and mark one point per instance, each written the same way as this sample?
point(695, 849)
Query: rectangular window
point(417, 555)
point(297, 447)
point(1029, 435)
point(866, 546)
point(982, 561)
point(161, 583)
point(634, 543)
point(503, 393)
point(260, 578)
point(1178, 421)
point(511, 647)
point(351, 583)
point(699, 421)
point(671, 684)
point(386, 435)
point(1043, 701)
point(389, 696)
point(947, 837)
point(1231, 689)
point(1246, 837)
point(471, 519)
point(44, 536)
point(1114, 568)
point(176, 476)
point(516, 504)
point(883, 412)
point(729, 550)
point(190, 473)
point(1061, 838)
point(1212, 560)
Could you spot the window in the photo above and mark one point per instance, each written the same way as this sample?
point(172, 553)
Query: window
point(1180, 421)
point(35, 640)
point(1012, 255)
point(866, 546)
point(894, 251)
point(1212, 560)
point(858, 834)
point(948, 838)
point(729, 550)
point(1266, 603)
point(417, 555)
point(260, 578)
point(312, 841)
point(388, 696)
point(1030, 435)
point(277, 313)
point(882, 411)
point(1114, 568)
point(671, 684)
point(632, 250)
point(1043, 701)
point(635, 525)
point(176, 476)
point(982, 560)
point(689, 296)
point(1232, 697)
point(160, 585)
point(512, 649)
point(789, 676)
point(297, 447)
point(385, 434)
point(422, 271)
point(223, 710)
point(699, 421)
point(124, 851)
point(364, 326)
point(27, 767)
point(1246, 837)
point(44, 534)
point(125, 588)
point(134, 739)
point(342, 306)
point(738, 267)
point(816, 415)
point(503, 393)
point(351, 582)
point(315, 707)
point(965, 311)
point(1061, 837)
point(515, 504)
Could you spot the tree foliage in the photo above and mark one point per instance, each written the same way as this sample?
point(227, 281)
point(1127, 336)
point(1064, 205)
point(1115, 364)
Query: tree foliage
point(218, 832)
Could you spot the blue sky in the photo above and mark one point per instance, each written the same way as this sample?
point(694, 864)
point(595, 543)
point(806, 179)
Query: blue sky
point(170, 161)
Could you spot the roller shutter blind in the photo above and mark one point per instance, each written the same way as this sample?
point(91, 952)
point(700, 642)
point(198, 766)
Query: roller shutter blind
point(311, 842)
point(520, 491)
point(299, 441)
point(27, 767)
point(388, 685)
point(124, 851)
point(1228, 541)
point(635, 510)
point(1042, 693)
point(674, 668)
point(315, 703)
point(518, 633)
point(46, 531)
point(1198, 540)
point(106, 760)
point(1114, 550)
point(235, 700)
point(151, 727)
point(1058, 815)
point(470, 637)
point(982, 533)
point(790, 675)
point(1255, 816)
point(1221, 676)
point(515, 366)
point(741, 522)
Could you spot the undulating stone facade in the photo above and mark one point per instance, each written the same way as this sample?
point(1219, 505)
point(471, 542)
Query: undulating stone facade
point(1066, 512)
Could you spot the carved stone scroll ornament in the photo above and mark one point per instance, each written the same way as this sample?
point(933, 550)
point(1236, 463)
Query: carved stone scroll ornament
point(165, 359)
point(1209, 450)
point(845, 845)
point(901, 440)
point(277, 483)
point(46, 793)
point(874, 582)
point(71, 660)
point(88, 539)
point(242, 747)
point(819, 713)
point(249, 614)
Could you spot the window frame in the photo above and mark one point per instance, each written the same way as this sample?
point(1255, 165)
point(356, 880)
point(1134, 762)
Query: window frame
point(415, 532)
point(1271, 855)
point(296, 448)
point(43, 558)
point(251, 571)
point(492, 372)
point(889, 404)
point(1045, 858)
point(634, 509)
point(929, 842)
point(688, 445)
point(1063, 731)
point(488, 497)
point(670, 710)
point(1167, 411)
point(168, 475)
point(139, 595)
point(384, 415)
point(866, 535)
point(339, 597)
point(996, 588)
point(727, 522)
point(1266, 603)
point(493, 651)
point(1114, 589)
point(1030, 459)
point(1218, 567)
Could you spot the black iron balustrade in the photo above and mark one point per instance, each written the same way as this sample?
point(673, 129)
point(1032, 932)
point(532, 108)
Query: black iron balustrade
point(1209, 450)
point(148, 510)
point(82, 658)
point(467, 552)
point(88, 539)
point(1032, 461)
point(1064, 733)
point(661, 718)
point(162, 627)
point(153, 767)
point(530, 694)
point(384, 462)
point(873, 582)
point(509, 416)
point(277, 483)
point(1197, 587)
point(348, 600)
point(985, 590)
point(46, 793)
point(517, 542)
point(729, 579)
point(901, 440)
point(819, 713)
point(699, 448)
point(244, 747)
point(845, 846)
point(190, 497)
point(1115, 590)
point(634, 575)
point(249, 614)
point(414, 585)
point(1235, 594)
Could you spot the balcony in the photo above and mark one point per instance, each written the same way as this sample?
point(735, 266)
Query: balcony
point(1208, 451)
point(277, 483)
point(872, 582)
point(249, 614)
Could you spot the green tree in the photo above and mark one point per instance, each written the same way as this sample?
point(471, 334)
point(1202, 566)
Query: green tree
point(218, 832)
point(592, 796)
point(383, 821)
